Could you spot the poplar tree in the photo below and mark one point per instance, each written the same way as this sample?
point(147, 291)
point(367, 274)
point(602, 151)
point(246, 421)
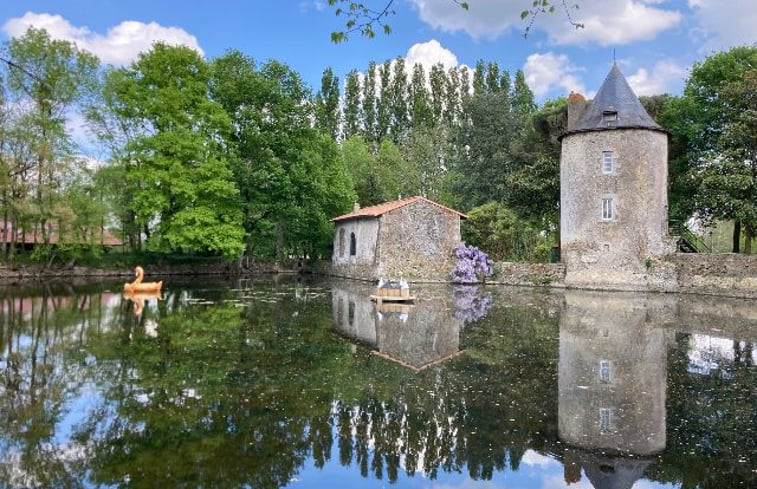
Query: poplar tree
point(352, 105)
point(327, 114)
point(369, 103)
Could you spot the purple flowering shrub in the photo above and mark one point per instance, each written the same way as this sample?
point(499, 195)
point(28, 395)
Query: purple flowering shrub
point(472, 265)
point(470, 305)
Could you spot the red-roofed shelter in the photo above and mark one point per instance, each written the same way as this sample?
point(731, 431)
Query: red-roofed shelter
point(411, 238)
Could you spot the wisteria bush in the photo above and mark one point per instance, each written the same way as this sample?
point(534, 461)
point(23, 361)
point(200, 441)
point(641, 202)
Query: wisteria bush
point(472, 265)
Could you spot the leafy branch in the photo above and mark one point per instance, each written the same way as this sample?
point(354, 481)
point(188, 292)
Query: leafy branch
point(547, 7)
point(364, 19)
point(361, 18)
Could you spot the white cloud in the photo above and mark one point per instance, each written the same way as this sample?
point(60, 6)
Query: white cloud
point(119, 46)
point(606, 22)
point(666, 77)
point(549, 70)
point(722, 25)
point(532, 458)
point(430, 53)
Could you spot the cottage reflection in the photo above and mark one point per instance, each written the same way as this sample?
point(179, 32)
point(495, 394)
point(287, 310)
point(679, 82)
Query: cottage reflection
point(416, 336)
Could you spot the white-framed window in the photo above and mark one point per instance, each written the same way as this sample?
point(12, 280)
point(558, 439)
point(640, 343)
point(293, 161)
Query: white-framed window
point(605, 371)
point(608, 211)
point(605, 420)
point(608, 162)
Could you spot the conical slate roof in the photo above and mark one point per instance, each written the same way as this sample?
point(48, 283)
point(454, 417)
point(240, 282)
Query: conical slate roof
point(615, 106)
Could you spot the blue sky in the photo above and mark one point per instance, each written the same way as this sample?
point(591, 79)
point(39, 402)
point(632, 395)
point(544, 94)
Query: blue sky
point(655, 41)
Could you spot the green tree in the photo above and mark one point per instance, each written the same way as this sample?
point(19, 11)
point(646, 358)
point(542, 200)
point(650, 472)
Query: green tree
point(719, 108)
point(46, 79)
point(384, 101)
point(399, 102)
point(185, 197)
point(352, 106)
point(499, 231)
point(369, 103)
point(292, 179)
point(327, 115)
point(420, 106)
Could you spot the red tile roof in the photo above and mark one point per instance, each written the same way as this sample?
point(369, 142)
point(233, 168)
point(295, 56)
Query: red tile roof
point(381, 209)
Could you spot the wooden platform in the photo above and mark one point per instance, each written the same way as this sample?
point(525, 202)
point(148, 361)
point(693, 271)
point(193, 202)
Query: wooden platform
point(391, 298)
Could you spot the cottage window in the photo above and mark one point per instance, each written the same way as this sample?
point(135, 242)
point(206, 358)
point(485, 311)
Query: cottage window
point(341, 242)
point(605, 372)
point(353, 244)
point(608, 162)
point(340, 311)
point(607, 209)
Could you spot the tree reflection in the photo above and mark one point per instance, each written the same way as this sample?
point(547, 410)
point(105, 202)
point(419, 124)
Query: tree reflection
point(236, 388)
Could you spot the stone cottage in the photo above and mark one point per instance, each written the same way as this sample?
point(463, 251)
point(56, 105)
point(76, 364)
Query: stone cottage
point(613, 189)
point(411, 238)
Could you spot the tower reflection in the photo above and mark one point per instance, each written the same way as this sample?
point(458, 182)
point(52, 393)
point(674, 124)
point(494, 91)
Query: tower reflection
point(612, 384)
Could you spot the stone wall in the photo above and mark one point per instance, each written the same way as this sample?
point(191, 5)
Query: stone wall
point(529, 274)
point(416, 242)
point(722, 274)
point(364, 263)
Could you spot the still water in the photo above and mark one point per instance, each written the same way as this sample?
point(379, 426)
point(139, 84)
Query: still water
point(305, 383)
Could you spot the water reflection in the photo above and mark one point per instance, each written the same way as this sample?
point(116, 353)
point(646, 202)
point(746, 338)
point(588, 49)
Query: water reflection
point(246, 385)
point(416, 335)
point(612, 372)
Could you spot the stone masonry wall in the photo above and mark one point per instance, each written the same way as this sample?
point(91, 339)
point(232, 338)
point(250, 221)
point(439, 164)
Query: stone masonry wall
point(613, 251)
point(722, 274)
point(416, 242)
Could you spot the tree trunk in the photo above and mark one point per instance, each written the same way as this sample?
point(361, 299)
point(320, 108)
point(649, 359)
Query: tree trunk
point(279, 243)
point(748, 239)
point(736, 236)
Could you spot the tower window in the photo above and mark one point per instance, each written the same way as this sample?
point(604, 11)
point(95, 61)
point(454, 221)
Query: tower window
point(608, 162)
point(610, 116)
point(607, 209)
point(605, 420)
point(605, 372)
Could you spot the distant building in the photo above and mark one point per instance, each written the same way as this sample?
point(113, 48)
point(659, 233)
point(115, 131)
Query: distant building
point(28, 239)
point(412, 238)
point(613, 189)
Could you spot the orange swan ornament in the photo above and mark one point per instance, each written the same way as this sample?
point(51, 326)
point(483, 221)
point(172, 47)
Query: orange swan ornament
point(139, 286)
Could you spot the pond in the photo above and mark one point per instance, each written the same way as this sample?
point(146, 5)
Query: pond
point(306, 383)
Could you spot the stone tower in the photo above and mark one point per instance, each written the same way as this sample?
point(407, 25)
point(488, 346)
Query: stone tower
point(613, 189)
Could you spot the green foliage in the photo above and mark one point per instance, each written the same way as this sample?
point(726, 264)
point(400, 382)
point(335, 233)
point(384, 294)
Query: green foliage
point(497, 230)
point(719, 130)
point(291, 178)
point(178, 174)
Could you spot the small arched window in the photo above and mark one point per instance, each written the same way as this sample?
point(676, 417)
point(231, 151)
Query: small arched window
point(341, 242)
point(353, 244)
